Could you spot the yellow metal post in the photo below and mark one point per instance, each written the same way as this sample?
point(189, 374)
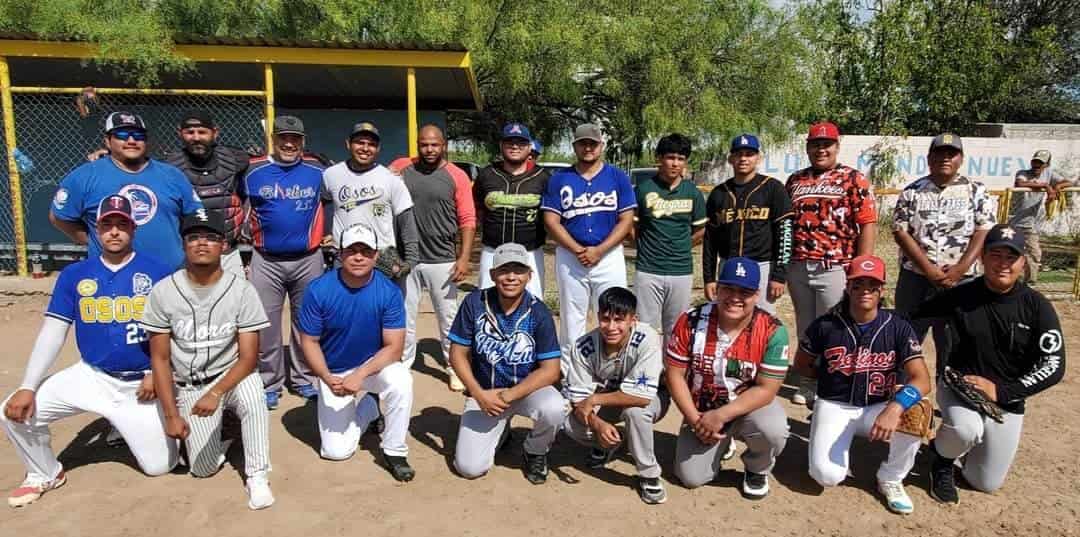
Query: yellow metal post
point(13, 168)
point(410, 90)
point(268, 96)
point(1004, 201)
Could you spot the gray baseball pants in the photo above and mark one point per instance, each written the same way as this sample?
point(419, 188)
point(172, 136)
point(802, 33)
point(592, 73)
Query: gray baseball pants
point(639, 431)
point(435, 277)
point(205, 451)
point(479, 434)
point(661, 299)
point(274, 278)
point(815, 288)
point(764, 431)
point(989, 446)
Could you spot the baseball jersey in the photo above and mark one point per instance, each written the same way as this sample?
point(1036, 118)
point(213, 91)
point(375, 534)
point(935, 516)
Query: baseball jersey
point(634, 370)
point(719, 368)
point(1029, 208)
point(943, 219)
point(589, 208)
point(504, 349)
point(748, 220)
point(106, 304)
point(666, 218)
point(203, 323)
point(829, 209)
point(349, 322)
point(509, 206)
point(160, 196)
point(442, 203)
point(859, 365)
point(372, 197)
point(286, 215)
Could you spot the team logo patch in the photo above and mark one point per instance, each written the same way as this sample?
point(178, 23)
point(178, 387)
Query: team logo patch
point(141, 284)
point(494, 346)
point(642, 381)
point(61, 198)
point(1008, 233)
point(1050, 341)
point(144, 203)
point(86, 287)
point(740, 270)
point(867, 265)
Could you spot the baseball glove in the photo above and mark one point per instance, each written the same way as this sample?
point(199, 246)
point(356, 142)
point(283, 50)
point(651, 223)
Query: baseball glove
point(973, 397)
point(391, 264)
point(918, 420)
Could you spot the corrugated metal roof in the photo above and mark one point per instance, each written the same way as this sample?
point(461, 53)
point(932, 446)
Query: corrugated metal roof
point(265, 42)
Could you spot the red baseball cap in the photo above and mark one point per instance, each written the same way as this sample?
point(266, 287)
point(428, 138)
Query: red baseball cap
point(823, 131)
point(867, 266)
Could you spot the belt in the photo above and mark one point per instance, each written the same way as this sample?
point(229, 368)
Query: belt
point(195, 383)
point(126, 376)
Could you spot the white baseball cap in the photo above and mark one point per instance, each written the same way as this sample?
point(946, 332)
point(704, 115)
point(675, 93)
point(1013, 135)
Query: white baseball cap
point(510, 252)
point(359, 233)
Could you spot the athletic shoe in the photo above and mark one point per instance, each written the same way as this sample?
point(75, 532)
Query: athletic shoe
point(730, 453)
point(599, 457)
point(455, 382)
point(651, 490)
point(272, 400)
point(30, 491)
point(114, 439)
point(896, 498)
point(536, 468)
point(399, 468)
point(504, 441)
point(942, 478)
point(755, 486)
point(258, 489)
point(308, 392)
point(806, 394)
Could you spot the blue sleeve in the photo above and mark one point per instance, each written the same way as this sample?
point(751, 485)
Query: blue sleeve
point(311, 312)
point(550, 201)
point(461, 332)
point(70, 196)
point(393, 309)
point(547, 342)
point(64, 302)
point(627, 198)
point(189, 200)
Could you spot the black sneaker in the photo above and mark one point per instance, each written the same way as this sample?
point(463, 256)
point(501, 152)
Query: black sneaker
point(651, 490)
point(755, 486)
point(504, 441)
point(942, 478)
point(399, 468)
point(599, 457)
point(536, 468)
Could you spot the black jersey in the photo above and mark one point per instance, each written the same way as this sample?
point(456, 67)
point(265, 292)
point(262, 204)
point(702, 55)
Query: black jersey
point(508, 206)
point(749, 220)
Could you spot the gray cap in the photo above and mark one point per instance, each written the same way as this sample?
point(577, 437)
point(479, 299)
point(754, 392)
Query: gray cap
point(947, 139)
point(1041, 155)
point(510, 252)
point(288, 125)
point(588, 131)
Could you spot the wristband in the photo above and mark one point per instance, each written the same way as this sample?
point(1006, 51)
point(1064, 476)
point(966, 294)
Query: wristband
point(907, 396)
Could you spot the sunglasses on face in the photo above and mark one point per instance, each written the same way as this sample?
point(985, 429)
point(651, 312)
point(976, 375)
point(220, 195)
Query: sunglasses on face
point(138, 136)
point(208, 237)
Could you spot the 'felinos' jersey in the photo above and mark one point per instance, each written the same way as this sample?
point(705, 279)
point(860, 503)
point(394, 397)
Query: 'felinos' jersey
point(634, 370)
point(859, 366)
point(830, 208)
point(589, 208)
point(106, 306)
point(286, 205)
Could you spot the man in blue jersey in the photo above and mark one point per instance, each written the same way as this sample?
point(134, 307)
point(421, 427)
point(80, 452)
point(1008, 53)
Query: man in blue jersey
point(352, 328)
point(287, 226)
point(104, 297)
point(159, 193)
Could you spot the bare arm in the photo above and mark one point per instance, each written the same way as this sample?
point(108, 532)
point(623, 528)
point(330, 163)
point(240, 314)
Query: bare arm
point(912, 251)
point(697, 236)
point(971, 253)
point(804, 364)
point(75, 231)
point(867, 235)
point(760, 394)
point(162, 371)
point(248, 343)
point(553, 223)
point(314, 355)
point(618, 399)
point(621, 230)
point(393, 346)
point(680, 393)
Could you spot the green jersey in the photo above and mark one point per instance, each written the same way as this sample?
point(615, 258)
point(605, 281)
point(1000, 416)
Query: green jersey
point(665, 219)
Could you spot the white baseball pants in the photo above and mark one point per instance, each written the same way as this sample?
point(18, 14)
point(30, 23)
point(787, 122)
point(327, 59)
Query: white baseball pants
point(435, 278)
point(834, 427)
point(536, 263)
point(579, 290)
point(343, 419)
point(204, 448)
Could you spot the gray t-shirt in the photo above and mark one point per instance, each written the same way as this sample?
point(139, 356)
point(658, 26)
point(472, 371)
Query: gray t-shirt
point(203, 328)
point(634, 370)
point(435, 197)
point(372, 198)
point(1029, 208)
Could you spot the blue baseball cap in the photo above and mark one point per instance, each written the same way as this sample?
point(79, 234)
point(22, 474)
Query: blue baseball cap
point(516, 130)
point(537, 147)
point(740, 272)
point(745, 141)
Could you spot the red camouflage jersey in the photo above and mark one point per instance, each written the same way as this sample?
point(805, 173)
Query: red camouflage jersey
point(830, 209)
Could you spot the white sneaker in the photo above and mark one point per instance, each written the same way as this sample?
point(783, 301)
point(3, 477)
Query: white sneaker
point(896, 498)
point(30, 491)
point(259, 495)
point(806, 393)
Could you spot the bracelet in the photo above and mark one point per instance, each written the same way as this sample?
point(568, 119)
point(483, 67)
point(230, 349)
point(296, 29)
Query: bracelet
point(907, 396)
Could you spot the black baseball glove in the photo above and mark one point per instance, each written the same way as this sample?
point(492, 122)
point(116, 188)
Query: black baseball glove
point(391, 264)
point(973, 397)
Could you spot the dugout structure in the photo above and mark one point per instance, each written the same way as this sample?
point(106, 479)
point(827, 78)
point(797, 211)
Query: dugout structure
point(242, 82)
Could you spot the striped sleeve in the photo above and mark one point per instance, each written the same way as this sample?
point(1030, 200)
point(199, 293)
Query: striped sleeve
point(775, 362)
point(678, 349)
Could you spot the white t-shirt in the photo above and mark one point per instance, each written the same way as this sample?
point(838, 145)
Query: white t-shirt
point(372, 198)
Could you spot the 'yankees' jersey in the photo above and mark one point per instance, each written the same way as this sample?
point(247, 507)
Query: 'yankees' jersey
point(286, 205)
point(589, 208)
point(634, 370)
point(859, 365)
point(830, 209)
point(372, 197)
point(203, 323)
point(105, 305)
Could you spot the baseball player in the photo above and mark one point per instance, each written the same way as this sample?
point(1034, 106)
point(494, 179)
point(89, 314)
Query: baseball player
point(1008, 345)
point(443, 208)
point(507, 196)
point(103, 297)
point(287, 228)
point(726, 360)
point(160, 194)
point(505, 351)
point(613, 376)
point(670, 220)
point(352, 326)
point(1028, 209)
point(588, 210)
point(862, 352)
point(204, 342)
point(749, 216)
point(835, 220)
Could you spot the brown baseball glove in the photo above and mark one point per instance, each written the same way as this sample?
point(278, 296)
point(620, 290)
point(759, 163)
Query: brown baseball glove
point(971, 396)
point(918, 420)
point(391, 264)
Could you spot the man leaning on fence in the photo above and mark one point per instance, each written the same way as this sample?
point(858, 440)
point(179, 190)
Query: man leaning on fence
point(1028, 209)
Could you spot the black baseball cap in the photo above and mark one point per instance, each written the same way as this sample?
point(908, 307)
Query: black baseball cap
point(288, 125)
point(1005, 235)
point(947, 139)
point(203, 219)
point(197, 118)
point(365, 127)
point(124, 120)
point(115, 204)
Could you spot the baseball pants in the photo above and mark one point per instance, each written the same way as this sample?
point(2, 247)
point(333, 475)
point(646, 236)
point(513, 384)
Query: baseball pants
point(274, 278)
point(1033, 253)
point(434, 277)
point(661, 299)
point(205, 450)
point(343, 419)
point(232, 263)
point(639, 431)
point(80, 388)
point(913, 289)
point(579, 290)
point(834, 427)
point(764, 431)
point(479, 434)
point(815, 288)
point(988, 447)
point(536, 263)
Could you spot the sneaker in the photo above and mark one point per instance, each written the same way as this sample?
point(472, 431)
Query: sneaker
point(400, 469)
point(536, 468)
point(258, 489)
point(455, 382)
point(114, 439)
point(504, 441)
point(599, 457)
point(272, 400)
point(755, 486)
point(308, 392)
point(896, 498)
point(730, 453)
point(805, 395)
point(30, 491)
point(651, 490)
point(942, 478)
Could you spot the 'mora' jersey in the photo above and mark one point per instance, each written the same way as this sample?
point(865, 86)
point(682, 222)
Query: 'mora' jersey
point(106, 305)
point(634, 370)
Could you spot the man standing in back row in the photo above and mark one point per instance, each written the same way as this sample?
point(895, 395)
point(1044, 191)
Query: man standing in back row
point(1028, 209)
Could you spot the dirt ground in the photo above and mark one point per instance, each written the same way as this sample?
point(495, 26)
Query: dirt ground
point(106, 495)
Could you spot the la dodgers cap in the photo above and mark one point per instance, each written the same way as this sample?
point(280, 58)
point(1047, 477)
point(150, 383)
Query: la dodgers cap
point(203, 219)
point(359, 233)
point(510, 252)
point(115, 204)
point(740, 272)
point(947, 139)
point(515, 130)
point(867, 266)
point(288, 125)
point(588, 131)
point(745, 141)
point(124, 120)
point(365, 127)
point(1005, 235)
point(824, 130)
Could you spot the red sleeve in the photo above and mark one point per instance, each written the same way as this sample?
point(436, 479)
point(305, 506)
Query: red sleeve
point(678, 348)
point(400, 164)
point(862, 201)
point(463, 199)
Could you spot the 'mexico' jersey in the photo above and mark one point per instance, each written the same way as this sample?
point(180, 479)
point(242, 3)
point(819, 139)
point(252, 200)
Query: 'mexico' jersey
point(106, 306)
point(634, 370)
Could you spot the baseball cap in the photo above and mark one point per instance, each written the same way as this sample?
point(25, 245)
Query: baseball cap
point(515, 130)
point(123, 120)
point(203, 219)
point(537, 147)
point(1004, 235)
point(365, 127)
point(510, 252)
point(359, 233)
point(1041, 155)
point(745, 141)
point(947, 139)
point(115, 204)
point(740, 272)
point(867, 266)
point(196, 118)
point(588, 131)
point(823, 130)
point(288, 125)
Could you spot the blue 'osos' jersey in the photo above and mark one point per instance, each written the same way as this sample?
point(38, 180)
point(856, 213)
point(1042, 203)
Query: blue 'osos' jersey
point(106, 307)
point(589, 208)
point(504, 348)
